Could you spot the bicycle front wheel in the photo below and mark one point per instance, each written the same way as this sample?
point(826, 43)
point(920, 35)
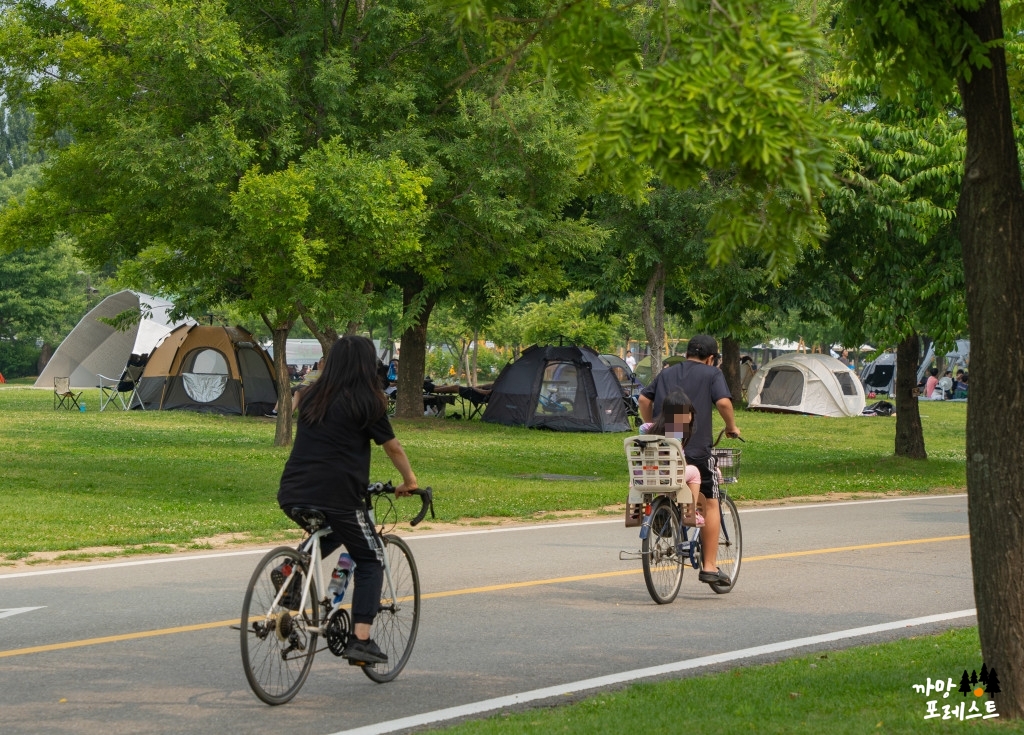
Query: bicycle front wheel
point(730, 545)
point(278, 639)
point(398, 619)
point(663, 564)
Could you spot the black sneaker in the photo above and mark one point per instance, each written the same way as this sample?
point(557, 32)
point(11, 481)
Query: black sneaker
point(716, 578)
point(363, 652)
point(279, 575)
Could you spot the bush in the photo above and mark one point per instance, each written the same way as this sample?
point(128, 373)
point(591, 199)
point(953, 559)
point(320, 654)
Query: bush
point(18, 359)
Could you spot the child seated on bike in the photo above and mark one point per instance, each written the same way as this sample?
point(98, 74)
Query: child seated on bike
point(677, 421)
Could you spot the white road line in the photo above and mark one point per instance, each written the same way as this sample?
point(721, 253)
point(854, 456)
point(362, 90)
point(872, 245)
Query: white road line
point(489, 705)
point(845, 503)
point(11, 611)
point(449, 534)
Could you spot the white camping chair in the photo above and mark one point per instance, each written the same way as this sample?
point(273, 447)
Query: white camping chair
point(114, 389)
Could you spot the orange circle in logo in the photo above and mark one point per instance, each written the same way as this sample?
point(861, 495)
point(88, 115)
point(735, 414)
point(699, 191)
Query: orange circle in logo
point(978, 692)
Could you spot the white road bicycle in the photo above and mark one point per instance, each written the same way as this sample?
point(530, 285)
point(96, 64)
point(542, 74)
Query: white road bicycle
point(281, 623)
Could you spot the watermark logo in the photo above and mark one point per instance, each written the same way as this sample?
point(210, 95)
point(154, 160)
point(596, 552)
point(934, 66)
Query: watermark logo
point(972, 688)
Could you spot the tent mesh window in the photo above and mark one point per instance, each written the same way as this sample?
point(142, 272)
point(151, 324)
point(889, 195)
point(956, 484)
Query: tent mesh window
point(783, 387)
point(558, 389)
point(846, 382)
point(205, 374)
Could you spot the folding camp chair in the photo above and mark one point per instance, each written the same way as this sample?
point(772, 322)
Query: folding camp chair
point(63, 396)
point(112, 389)
point(477, 400)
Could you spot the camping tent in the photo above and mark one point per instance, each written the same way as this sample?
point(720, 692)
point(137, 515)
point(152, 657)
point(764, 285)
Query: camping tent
point(561, 388)
point(209, 369)
point(806, 383)
point(643, 368)
point(94, 348)
point(879, 375)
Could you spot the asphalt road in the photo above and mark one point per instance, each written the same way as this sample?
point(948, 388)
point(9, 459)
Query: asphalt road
point(146, 647)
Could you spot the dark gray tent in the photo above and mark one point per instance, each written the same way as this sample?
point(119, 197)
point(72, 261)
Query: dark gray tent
point(559, 388)
point(879, 375)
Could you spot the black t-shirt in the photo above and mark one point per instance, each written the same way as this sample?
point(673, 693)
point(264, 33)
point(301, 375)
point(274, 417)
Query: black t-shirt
point(705, 385)
point(329, 466)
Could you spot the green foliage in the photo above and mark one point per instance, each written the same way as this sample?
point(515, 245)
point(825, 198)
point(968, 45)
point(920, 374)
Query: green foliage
point(41, 295)
point(907, 44)
point(893, 259)
point(547, 322)
point(18, 358)
point(702, 88)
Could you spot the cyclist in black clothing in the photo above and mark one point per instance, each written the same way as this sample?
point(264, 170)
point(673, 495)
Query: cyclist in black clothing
point(329, 470)
point(699, 377)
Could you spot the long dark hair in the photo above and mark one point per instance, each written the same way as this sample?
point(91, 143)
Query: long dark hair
point(675, 404)
point(349, 375)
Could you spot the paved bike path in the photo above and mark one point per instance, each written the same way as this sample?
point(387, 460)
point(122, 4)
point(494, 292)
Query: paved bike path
point(505, 612)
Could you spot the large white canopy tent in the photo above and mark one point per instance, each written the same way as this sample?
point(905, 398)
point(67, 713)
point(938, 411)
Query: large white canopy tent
point(95, 348)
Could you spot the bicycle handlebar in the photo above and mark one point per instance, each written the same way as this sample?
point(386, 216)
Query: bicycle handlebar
point(426, 498)
point(731, 437)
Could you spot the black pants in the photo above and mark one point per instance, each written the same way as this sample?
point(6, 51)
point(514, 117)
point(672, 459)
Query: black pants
point(354, 529)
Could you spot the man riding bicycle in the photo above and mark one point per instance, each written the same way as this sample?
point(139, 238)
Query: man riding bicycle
point(699, 377)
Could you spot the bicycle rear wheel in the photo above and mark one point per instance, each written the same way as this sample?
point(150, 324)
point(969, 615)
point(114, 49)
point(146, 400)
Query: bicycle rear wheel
point(278, 640)
point(730, 545)
point(398, 619)
point(663, 565)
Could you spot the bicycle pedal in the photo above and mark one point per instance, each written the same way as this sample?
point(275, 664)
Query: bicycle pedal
point(356, 663)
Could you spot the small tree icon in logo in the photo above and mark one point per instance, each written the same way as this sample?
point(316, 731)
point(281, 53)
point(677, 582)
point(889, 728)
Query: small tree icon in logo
point(984, 673)
point(993, 683)
point(974, 675)
point(965, 684)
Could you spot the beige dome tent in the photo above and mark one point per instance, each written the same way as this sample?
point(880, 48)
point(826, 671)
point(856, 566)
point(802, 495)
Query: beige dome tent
point(94, 348)
point(806, 383)
point(211, 370)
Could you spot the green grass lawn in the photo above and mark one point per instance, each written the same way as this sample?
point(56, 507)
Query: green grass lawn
point(73, 480)
point(858, 690)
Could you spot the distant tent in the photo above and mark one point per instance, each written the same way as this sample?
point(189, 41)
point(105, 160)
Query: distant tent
point(879, 375)
point(94, 348)
point(643, 368)
point(560, 388)
point(623, 373)
point(806, 383)
point(211, 370)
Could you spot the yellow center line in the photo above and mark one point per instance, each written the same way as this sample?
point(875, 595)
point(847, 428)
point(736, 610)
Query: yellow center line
point(465, 591)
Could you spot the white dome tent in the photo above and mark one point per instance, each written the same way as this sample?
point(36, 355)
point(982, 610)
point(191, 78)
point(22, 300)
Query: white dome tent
point(95, 348)
point(806, 383)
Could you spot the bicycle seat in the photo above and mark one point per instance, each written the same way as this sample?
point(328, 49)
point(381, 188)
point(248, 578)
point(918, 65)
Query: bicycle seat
point(311, 519)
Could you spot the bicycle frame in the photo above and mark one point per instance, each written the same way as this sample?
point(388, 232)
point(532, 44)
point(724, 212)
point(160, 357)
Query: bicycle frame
point(311, 547)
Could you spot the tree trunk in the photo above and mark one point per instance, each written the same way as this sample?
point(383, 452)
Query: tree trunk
point(354, 324)
point(280, 329)
point(326, 336)
point(473, 361)
point(653, 315)
point(731, 368)
point(909, 433)
point(991, 219)
point(412, 365)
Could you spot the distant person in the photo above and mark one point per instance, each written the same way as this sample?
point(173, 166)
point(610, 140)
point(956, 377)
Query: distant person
point(630, 360)
point(931, 382)
point(960, 385)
